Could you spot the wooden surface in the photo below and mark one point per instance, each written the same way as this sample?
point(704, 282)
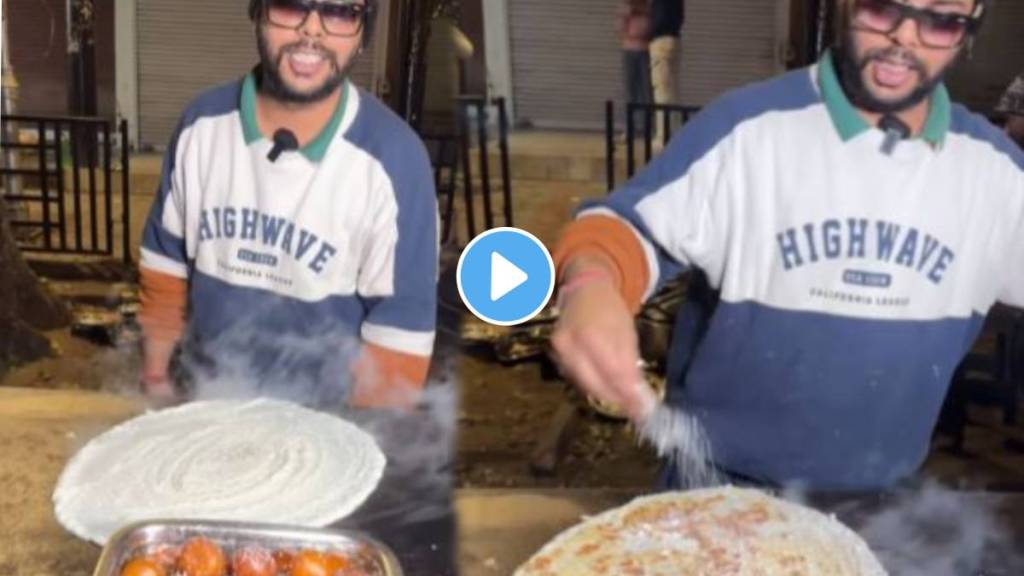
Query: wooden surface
point(39, 431)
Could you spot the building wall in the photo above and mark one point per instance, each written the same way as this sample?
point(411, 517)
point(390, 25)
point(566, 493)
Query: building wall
point(38, 45)
point(106, 81)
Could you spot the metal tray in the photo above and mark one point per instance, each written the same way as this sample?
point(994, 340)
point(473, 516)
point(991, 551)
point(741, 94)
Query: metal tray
point(145, 537)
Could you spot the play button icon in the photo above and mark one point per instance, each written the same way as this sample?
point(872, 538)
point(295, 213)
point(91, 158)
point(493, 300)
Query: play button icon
point(505, 276)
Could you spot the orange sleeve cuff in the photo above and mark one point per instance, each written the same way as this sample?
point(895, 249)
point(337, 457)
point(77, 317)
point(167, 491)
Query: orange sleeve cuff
point(163, 298)
point(615, 243)
point(385, 378)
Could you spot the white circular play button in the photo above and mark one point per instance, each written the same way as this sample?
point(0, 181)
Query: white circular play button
point(505, 276)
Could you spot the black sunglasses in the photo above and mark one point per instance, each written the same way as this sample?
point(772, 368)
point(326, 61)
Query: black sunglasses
point(343, 19)
point(934, 29)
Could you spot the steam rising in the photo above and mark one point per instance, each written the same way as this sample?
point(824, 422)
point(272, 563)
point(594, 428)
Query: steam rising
point(939, 532)
point(931, 531)
point(927, 531)
point(314, 370)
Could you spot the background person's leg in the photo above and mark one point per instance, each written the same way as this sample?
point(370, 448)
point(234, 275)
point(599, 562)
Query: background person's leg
point(637, 68)
point(663, 75)
point(629, 75)
point(645, 91)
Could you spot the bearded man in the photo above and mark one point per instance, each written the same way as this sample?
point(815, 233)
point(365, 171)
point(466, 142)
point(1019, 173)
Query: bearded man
point(853, 226)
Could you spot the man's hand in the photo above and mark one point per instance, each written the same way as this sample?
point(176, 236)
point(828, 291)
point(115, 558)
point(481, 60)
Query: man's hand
point(155, 382)
point(159, 390)
point(595, 340)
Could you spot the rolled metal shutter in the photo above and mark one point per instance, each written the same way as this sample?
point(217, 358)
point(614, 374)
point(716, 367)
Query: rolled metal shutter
point(726, 44)
point(566, 59)
point(188, 46)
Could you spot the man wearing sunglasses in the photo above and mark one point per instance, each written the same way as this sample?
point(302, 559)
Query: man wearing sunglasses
point(853, 226)
point(294, 233)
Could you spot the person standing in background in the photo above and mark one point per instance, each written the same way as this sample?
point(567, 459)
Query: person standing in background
point(635, 31)
point(1011, 106)
point(666, 17)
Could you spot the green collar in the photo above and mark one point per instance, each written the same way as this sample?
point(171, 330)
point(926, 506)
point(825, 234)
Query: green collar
point(315, 150)
point(849, 123)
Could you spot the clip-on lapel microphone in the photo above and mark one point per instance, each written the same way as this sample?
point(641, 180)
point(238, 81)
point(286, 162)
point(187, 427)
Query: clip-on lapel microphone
point(895, 130)
point(284, 140)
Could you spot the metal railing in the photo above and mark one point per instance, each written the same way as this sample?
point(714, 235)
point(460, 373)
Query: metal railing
point(474, 114)
point(66, 184)
point(670, 116)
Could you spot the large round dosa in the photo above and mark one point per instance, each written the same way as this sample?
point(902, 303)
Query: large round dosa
point(715, 532)
point(256, 461)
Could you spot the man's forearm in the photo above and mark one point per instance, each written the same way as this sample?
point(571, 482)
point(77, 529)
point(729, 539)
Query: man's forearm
point(162, 317)
point(386, 378)
point(606, 245)
point(587, 262)
point(156, 357)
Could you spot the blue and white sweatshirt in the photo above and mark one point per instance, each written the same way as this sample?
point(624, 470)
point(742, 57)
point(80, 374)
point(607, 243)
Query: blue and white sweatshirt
point(337, 237)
